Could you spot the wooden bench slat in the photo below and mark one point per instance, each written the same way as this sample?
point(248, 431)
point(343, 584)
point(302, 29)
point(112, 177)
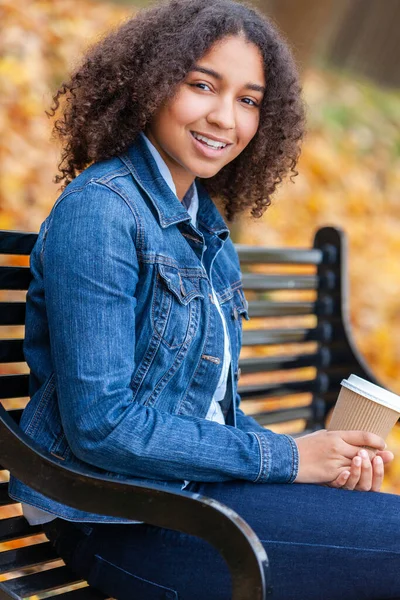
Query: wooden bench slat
point(266, 364)
point(260, 282)
point(11, 350)
point(266, 308)
point(15, 278)
point(14, 386)
point(273, 390)
point(296, 256)
point(14, 528)
point(44, 581)
point(85, 593)
point(6, 595)
point(266, 337)
point(15, 414)
point(5, 499)
point(323, 307)
point(29, 556)
point(12, 313)
point(17, 242)
point(283, 415)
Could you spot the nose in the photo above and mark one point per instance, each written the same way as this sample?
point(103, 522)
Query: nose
point(222, 114)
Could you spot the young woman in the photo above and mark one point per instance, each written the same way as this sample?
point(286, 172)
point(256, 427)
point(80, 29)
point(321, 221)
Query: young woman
point(134, 317)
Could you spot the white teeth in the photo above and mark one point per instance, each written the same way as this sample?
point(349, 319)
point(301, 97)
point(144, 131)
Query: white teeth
point(209, 142)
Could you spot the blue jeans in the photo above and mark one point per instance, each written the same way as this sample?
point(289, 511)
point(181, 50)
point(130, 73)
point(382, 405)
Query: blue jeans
point(321, 543)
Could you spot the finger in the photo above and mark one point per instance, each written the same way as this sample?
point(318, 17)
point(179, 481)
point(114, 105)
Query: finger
point(386, 456)
point(378, 473)
point(350, 451)
point(355, 473)
point(371, 453)
point(363, 438)
point(365, 482)
point(340, 480)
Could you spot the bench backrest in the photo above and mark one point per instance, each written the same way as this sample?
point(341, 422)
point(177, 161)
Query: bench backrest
point(301, 342)
point(298, 339)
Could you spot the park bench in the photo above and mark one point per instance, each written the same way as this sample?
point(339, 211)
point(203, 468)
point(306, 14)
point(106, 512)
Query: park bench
point(301, 368)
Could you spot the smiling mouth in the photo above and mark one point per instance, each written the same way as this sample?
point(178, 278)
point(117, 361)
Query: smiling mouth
point(208, 142)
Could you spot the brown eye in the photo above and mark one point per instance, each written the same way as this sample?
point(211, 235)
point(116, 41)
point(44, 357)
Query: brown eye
point(250, 100)
point(197, 84)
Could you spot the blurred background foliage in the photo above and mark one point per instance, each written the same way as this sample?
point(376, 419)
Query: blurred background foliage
point(349, 173)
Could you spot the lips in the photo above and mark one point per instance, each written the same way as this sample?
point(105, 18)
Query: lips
point(208, 151)
point(213, 137)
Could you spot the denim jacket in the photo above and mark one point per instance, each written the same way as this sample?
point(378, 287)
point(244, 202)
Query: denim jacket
point(123, 339)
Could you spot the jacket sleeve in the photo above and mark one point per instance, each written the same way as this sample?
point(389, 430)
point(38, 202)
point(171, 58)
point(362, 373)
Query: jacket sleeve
point(246, 422)
point(280, 447)
point(91, 270)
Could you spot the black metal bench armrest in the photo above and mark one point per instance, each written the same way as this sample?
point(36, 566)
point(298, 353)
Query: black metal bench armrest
point(182, 511)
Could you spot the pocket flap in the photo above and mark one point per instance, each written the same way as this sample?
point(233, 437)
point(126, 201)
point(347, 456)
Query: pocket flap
point(184, 287)
point(240, 303)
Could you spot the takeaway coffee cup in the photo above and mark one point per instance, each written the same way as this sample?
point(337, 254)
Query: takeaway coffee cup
point(364, 406)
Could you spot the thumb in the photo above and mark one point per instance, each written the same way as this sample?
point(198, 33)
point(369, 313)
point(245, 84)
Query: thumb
point(363, 438)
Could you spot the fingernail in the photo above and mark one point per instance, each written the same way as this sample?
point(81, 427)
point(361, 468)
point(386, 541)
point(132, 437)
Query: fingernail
point(378, 460)
point(357, 461)
point(363, 453)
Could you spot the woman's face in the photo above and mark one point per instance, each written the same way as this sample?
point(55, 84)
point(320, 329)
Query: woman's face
point(214, 114)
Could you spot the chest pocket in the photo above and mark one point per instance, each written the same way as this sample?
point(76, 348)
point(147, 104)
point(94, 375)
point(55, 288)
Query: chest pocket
point(176, 305)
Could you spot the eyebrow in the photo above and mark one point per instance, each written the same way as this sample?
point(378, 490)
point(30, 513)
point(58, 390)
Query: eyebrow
point(250, 86)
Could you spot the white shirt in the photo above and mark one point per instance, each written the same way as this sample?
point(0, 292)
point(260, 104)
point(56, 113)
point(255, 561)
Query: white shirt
point(191, 202)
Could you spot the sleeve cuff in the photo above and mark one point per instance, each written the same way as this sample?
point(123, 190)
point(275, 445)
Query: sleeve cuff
point(279, 458)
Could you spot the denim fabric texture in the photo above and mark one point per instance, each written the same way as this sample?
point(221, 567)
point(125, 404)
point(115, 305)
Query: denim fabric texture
point(123, 339)
point(321, 543)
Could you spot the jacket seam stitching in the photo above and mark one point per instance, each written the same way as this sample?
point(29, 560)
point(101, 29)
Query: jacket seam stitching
point(174, 218)
point(110, 187)
point(262, 461)
point(293, 474)
point(47, 392)
point(199, 364)
point(139, 228)
point(120, 172)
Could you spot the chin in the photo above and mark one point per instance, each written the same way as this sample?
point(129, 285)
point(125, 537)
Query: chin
point(207, 173)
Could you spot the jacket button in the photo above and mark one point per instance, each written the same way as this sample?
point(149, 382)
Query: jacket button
point(235, 313)
point(239, 373)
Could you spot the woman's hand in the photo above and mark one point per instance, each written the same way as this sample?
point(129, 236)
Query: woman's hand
point(364, 475)
point(324, 456)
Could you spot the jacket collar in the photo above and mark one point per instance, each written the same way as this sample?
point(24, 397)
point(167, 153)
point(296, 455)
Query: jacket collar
point(170, 210)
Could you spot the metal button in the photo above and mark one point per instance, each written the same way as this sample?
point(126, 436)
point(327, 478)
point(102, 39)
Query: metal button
point(235, 313)
point(239, 373)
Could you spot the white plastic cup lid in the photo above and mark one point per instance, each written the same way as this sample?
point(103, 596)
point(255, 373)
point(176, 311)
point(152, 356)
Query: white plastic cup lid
point(372, 391)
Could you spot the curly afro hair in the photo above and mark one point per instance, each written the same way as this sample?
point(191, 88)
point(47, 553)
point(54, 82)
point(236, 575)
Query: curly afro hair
point(127, 75)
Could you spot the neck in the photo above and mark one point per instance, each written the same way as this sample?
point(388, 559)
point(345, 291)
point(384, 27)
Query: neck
point(181, 177)
point(181, 186)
